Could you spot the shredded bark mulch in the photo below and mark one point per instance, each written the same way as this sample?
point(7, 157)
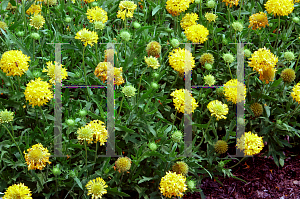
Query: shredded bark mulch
point(264, 180)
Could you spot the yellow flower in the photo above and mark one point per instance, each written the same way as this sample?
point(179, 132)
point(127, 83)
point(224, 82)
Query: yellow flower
point(118, 76)
point(86, 36)
point(258, 20)
point(234, 91)
point(37, 157)
point(85, 134)
point(173, 184)
point(209, 79)
point(3, 26)
point(262, 59)
point(50, 2)
point(34, 9)
point(218, 109)
point(231, 2)
point(196, 33)
point(37, 21)
point(109, 53)
point(51, 72)
point(38, 92)
point(153, 48)
point(296, 93)
point(10, 7)
point(179, 101)
point(96, 188)
point(100, 133)
point(180, 167)
point(189, 20)
point(97, 14)
point(14, 62)
point(177, 60)
point(279, 7)
point(101, 71)
point(126, 9)
point(152, 61)
point(268, 75)
point(122, 164)
point(6, 116)
point(211, 17)
point(206, 58)
point(175, 7)
point(221, 146)
point(250, 143)
point(19, 191)
point(87, 1)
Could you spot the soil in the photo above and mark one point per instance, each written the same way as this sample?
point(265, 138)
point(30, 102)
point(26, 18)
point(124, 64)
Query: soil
point(264, 180)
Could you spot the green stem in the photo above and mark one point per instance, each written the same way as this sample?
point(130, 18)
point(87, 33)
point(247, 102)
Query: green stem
point(237, 163)
point(43, 114)
point(83, 68)
point(229, 70)
point(12, 137)
point(174, 81)
point(174, 120)
point(229, 20)
point(277, 32)
point(33, 46)
point(297, 62)
point(25, 24)
point(291, 113)
point(205, 131)
point(121, 105)
point(85, 153)
point(140, 83)
point(12, 130)
point(96, 153)
point(19, 83)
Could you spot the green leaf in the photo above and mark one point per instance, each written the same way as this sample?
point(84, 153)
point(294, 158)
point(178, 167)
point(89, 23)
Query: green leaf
point(123, 128)
point(154, 11)
point(4, 4)
point(281, 162)
point(276, 82)
point(78, 182)
point(114, 191)
point(145, 179)
point(267, 108)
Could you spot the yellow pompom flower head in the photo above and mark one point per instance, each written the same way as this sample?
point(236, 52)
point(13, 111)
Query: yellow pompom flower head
point(126, 9)
point(99, 131)
point(38, 92)
point(218, 109)
point(221, 146)
point(97, 14)
point(101, 72)
point(207, 58)
point(180, 168)
point(235, 91)
point(231, 2)
point(209, 79)
point(196, 33)
point(96, 188)
point(175, 7)
point(152, 62)
point(85, 134)
point(14, 62)
point(153, 49)
point(188, 20)
point(296, 93)
point(37, 21)
point(51, 72)
point(258, 20)
point(177, 60)
point(6, 116)
point(34, 9)
point(19, 191)
point(37, 157)
point(122, 164)
point(279, 7)
point(129, 91)
point(268, 75)
point(250, 143)
point(210, 17)
point(86, 36)
point(173, 184)
point(179, 101)
point(288, 75)
point(257, 109)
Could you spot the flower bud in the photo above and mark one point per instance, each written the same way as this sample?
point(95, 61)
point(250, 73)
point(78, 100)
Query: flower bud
point(169, 30)
point(99, 25)
point(208, 66)
point(72, 174)
point(288, 75)
point(247, 53)
point(154, 85)
point(155, 75)
point(175, 43)
point(177, 136)
point(237, 26)
point(94, 4)
point(211, 4)
point(191, 184)
point(278, 122)
point(68, 19)
point(125, 36)
point(152, 146)
point(70, 122)
point(136, 25)
point(20, 33)
point(224, 41)
point(257, 109)
point(289, 56)
point(35, 36)
point(82, 113)
point(296, 19)
point(36, 73)
point(228, 58)
point(56, 171)
point(221, 146)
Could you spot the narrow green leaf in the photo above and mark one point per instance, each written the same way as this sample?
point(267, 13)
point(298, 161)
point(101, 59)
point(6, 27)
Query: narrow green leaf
point(154, 11)
point(78, 182)
point(114, 191)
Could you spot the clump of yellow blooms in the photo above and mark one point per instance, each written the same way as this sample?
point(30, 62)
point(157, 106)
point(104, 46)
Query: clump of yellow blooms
point(177, 60)
point(188, 20)
point(122, 164)
point(210, 17)
point(218, 109)
point(179, 101)
point(38, 92)
point(296, 93)
point(279, 7)
point(126, 9)
point(268, 75)
point(37, 157)
point(51, 72)
point(180, 168)
point(175, 7)
point(14, 62)
point(96, 188)
point(97, 14)
point(250, 143)
point(86, 36)
point(221, 146)
point(37, 21)
point(262, 59)
point(173, 184)
point(258, 20)
point(101, 71)
point(196, 33)
point(234, 91)
point(152, 62)
point(153, 49)
point(231, 2)
point(34, 9)
point(207, 58)
point(99, 131)
point(17, 191)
